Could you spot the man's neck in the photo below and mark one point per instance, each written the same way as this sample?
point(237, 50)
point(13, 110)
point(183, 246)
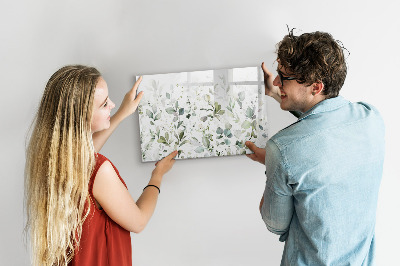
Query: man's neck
point(316, 100)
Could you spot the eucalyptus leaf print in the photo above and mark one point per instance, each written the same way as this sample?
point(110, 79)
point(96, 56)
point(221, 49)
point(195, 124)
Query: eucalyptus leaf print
point(202, 113)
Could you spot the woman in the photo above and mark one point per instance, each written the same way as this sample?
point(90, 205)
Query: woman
point(78, 207)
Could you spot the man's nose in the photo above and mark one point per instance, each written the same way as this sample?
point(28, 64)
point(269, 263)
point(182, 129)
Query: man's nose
point(277, 81)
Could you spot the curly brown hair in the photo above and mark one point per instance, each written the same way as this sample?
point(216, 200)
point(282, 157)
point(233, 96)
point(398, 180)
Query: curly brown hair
point(314, 57)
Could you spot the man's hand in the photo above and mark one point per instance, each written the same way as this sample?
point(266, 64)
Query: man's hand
point(258, 155)
point(270, 89)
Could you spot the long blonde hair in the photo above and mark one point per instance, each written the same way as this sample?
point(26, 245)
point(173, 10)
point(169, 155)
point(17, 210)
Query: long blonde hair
point(59, 161)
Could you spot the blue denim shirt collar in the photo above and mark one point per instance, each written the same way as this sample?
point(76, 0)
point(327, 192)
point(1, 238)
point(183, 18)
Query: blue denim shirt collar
point(325, 106)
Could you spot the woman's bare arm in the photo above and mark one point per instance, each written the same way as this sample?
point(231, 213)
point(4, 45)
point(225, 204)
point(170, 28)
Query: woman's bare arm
point(114, 198)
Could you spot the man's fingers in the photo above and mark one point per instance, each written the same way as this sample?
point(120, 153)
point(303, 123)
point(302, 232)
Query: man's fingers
point(265, 69)
point(251, 146)
point(252, 156)
point(263, 66)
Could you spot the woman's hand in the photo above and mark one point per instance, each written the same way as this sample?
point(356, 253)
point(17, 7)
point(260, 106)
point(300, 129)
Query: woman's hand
point(164, 165)
point(131, 101)
point(270, 89)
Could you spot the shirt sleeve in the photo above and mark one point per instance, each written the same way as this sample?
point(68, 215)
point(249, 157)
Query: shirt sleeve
point(277, 209)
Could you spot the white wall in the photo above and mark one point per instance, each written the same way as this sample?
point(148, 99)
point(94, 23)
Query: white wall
point(208, 208)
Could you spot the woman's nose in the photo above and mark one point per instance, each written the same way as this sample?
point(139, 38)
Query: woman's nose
point(112, 105)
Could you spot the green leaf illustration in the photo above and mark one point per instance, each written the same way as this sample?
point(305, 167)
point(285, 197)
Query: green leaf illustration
point(246, 124)
point(217, 107)
point(239, 144)
point(228, 126)
point(170, 110)
point(254, 124)
point(219, 130)
point(158, 116)
point(227, 132)
point(249, 112)
point(183, 142)
point(181, 111)
point(162, 140)
point(239, 102)
point(241, 95)
point(199, 149)
point(206, 142)
point(149, 113)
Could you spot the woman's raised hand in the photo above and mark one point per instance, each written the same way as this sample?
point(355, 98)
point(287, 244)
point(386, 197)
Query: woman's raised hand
point(131, 101)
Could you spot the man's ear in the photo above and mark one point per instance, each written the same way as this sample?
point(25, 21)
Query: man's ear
point(317, 88)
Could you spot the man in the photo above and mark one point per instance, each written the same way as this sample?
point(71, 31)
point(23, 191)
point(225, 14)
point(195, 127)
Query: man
point(323, 171)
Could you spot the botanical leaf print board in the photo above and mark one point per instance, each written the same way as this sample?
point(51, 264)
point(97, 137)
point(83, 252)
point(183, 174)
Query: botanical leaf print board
point(202, 113)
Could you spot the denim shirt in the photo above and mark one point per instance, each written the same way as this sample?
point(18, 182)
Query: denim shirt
point(323, 176)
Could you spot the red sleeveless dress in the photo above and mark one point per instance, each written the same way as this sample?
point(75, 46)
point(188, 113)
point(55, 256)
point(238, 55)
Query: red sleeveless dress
point(103, 241)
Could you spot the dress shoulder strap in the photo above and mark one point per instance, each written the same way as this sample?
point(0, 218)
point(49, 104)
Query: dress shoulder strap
point(100, 159)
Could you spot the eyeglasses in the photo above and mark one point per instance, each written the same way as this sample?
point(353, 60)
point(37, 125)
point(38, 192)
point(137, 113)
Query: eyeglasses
point(282, 78)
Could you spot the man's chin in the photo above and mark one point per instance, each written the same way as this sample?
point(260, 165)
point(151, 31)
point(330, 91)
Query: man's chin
point(285, 108)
